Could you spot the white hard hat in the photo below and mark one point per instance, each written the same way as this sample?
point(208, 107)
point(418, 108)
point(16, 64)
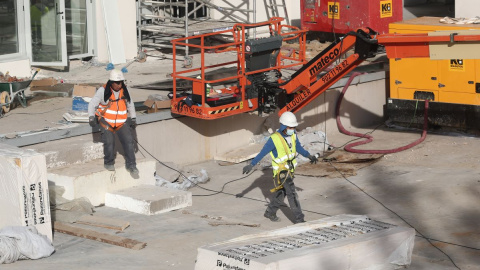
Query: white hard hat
point(116, 75)
point(288, 119)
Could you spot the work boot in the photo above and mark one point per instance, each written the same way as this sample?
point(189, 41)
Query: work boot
point(133, 171)
point(272, 216)
point(109, 167)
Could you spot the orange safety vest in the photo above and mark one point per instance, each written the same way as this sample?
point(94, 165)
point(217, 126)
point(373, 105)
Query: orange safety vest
point(114, 112)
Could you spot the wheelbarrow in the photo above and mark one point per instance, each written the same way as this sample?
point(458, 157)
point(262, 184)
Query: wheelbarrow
point(10, 90)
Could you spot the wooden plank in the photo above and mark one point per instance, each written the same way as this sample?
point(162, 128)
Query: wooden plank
point(98, 236)
point(109, 223)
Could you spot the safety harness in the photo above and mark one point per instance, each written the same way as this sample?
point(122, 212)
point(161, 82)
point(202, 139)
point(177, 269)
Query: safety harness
point(286, 168)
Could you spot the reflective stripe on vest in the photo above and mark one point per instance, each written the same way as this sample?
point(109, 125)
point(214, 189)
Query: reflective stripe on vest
point(283, 155)
point(115, 111)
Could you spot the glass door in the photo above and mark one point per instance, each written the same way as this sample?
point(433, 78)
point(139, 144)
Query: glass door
point(78, 15)
point(47, 42)
point(9, 25)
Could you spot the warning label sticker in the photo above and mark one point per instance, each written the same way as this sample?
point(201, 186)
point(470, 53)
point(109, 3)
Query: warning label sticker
point(333, 10)
point(456, 65)
point(386, 9)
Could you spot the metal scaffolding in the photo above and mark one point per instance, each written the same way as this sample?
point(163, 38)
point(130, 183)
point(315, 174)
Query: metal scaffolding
point(160, 21)
point(276, 8)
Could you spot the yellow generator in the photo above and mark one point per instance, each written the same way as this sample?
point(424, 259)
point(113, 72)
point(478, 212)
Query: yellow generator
point(452, 86)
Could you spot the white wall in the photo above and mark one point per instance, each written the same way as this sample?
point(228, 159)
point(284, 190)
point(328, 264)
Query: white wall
point(190, 140)
point(467, 8)
point(128, 24)
point(20, 68)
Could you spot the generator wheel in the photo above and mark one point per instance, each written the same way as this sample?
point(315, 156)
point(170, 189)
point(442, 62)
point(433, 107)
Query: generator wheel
point(5, 98)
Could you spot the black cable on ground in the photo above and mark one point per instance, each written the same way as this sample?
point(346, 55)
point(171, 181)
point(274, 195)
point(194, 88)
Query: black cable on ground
point(215, 192)
point(384, 206)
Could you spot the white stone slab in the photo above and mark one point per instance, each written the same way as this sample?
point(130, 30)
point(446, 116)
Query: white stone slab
point(149, 200)
point(80, 149)
point(93, 181)
point(340, 242)
point(24, 199)
point(240, 154)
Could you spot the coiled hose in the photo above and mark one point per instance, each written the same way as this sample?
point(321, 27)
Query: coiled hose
point(350, 147)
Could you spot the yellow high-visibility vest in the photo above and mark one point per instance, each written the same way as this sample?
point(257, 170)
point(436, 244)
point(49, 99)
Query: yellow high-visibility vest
point(284, 153)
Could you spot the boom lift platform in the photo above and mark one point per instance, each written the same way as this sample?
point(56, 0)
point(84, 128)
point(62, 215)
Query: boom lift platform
point(259, 85)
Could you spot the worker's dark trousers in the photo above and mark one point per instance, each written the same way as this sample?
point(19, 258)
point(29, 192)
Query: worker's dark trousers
point(279, 196)
point(126, 139)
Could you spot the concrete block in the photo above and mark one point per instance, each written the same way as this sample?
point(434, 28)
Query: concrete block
point(148, 200)
point(340, 242)
point(93, 181)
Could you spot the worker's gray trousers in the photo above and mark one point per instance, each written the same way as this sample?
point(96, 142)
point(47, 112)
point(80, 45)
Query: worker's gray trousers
point(279, 196)
point(126, 139)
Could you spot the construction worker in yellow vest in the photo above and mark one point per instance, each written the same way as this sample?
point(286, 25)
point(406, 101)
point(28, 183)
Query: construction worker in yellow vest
point(283, 146)
point(110, 107)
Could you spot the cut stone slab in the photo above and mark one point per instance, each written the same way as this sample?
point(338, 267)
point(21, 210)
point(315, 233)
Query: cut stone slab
point(240, 154)
point(70, 151)
point(148, 200)
point(339, 242)
point(93, 181)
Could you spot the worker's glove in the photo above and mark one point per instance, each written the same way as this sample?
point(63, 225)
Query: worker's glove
point(247, 168)
point(92, 121)
point(313, 159)
point(133, 123)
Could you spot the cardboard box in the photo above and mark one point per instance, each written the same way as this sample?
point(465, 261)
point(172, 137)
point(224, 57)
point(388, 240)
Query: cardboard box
point(81, 96)
point(43, 82)
point(155, 105)
point(24, 199)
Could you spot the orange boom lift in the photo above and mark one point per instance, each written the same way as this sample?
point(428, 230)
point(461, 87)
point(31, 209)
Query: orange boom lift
point(258, 84)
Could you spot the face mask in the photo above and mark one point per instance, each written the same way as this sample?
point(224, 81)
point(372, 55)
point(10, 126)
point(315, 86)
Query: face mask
point(290, 132)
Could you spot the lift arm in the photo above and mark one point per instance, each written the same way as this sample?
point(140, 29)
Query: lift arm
point(304, 84)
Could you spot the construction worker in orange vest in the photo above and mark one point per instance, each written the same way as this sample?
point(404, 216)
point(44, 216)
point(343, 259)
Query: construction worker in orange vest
point(110, 107)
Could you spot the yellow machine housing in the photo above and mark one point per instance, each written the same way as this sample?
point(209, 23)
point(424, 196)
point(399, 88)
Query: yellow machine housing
point(451, 81)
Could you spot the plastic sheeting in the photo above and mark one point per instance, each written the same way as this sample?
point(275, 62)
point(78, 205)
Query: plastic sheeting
point(24, 199)
point(18, 243)
point(340, 242)
point(186, 183)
